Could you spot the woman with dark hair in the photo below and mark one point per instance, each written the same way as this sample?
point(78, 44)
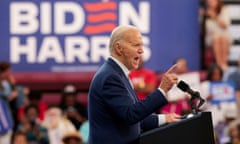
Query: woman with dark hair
point(215, 73)
point(217, 36)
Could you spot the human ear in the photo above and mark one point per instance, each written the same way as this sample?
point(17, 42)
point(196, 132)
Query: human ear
point(119, 49)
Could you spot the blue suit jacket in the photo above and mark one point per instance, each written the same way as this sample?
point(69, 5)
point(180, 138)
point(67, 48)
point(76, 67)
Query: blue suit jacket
point(116, 116)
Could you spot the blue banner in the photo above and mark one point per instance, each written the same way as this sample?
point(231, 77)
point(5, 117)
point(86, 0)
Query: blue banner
point(73, 35)
point(222, 92)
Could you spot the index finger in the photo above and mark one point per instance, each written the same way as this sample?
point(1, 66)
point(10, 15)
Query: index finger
point(172, 68)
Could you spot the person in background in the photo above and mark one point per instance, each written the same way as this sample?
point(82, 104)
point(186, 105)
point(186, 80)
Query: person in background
point(233, 130)
point(72, 138)
point(57, 125)
point(214, 74)
point(74, 110)
point(15, 93)
point(7, 97)
point(34, 98)
point(144, 80)
point(84, 131)
point(217, 30)
point(222, 113)
point(230, 115)
point(178, 101)
point(31, 126)
point(235, 77)
point(19, 138)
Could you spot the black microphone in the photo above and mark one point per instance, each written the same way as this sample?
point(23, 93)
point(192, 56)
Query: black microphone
point(186, 88)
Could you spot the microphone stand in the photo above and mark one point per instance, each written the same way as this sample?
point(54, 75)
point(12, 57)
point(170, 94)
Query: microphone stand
point(194, 108)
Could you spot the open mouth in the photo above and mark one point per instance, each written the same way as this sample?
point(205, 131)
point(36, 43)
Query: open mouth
point(136, 58)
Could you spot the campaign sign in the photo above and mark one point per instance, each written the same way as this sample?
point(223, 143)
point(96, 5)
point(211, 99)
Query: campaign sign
point(73, 35)
point(6, 122)
point(222, 92)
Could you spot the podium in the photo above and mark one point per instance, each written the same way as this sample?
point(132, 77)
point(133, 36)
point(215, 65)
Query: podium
point(194, 130)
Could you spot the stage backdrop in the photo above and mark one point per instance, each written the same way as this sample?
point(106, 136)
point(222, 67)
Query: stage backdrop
point(73, 35)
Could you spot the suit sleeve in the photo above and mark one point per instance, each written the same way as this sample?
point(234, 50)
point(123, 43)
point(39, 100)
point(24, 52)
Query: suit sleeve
point(150, 122)
point(122, 105)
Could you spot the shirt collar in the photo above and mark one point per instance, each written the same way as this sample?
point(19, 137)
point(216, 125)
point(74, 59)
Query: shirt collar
point(121, 65)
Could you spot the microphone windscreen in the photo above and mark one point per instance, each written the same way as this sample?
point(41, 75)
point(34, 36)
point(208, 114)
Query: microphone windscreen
point(183, 86)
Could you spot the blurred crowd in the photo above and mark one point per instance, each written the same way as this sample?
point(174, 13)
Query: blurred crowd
point(222, 86)
point(26, 119)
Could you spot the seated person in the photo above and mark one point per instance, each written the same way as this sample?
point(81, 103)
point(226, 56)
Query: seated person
point(35, 132)
point(34, 98)
point(73, 110)
point(57, 125)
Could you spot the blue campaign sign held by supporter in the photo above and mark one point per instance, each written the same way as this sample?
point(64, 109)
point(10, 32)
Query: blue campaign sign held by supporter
point(6, 122)
point(73, 35)
point(222, 92)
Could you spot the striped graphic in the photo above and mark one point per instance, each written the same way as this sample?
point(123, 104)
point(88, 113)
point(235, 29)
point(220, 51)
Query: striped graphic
point(101, 17)
point(107, 16)
point(100, 6)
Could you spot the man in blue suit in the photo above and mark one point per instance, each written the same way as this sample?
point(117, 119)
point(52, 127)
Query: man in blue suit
point(116, 116)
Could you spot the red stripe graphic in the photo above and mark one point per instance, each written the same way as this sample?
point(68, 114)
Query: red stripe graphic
point(99, 6)
point(101, 28)
point(92, 18)
point(101, 17)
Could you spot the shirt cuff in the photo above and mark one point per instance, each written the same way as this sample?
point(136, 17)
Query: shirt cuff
point(161, 119)
point(162, 91)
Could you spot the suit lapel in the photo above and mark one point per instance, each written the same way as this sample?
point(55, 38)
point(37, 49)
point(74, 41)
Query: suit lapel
point(124, 78)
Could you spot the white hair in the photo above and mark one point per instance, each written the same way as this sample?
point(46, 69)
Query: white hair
point(118, 34)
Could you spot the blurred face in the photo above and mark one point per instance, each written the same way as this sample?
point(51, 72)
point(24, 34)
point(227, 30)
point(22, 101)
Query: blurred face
point(32, 114)
point(20, 139)
point(212, 3)
point(53, 116)
point(4, 75)
point(216, 76)
point(70, 100)
point(131, 49)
